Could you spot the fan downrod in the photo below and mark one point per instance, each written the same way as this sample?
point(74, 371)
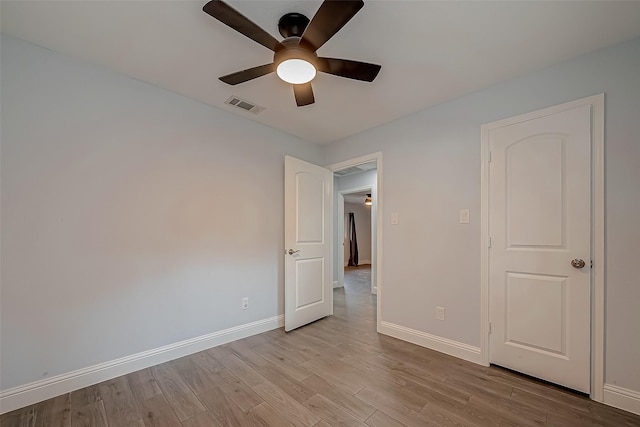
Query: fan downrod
point(292, 25)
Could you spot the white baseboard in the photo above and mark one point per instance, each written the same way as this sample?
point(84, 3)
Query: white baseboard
point(622, 398)
point(336, 284)
point(37, 391)
point(443, 345)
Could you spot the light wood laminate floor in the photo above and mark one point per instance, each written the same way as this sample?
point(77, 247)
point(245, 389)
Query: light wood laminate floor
point(337, 371)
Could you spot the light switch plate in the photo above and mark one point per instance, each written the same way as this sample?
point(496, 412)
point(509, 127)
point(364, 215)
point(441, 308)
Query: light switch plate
point(464, 216)
point(394, 218)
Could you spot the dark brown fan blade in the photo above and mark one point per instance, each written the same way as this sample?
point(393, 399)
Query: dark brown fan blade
point(248, 74)
point(332, 15)
point(350, 69)
point(304, 94)
point(231, 17)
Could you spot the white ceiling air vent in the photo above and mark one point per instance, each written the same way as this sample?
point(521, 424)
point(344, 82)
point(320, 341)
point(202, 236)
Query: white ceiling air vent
point(244, 104)
point(356, 169)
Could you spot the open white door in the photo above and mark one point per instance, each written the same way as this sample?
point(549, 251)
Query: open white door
point(308, 207)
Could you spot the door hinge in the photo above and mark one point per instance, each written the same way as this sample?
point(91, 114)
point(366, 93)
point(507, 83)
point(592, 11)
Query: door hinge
point(489, 328)
point(489, 242)
point(591, 263)
point(489, 156)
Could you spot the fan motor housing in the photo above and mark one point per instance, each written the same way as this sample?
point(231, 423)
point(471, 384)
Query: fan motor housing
point(293, 50)
point(292, 25)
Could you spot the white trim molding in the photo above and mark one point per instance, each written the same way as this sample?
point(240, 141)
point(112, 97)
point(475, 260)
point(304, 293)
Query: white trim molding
point(433, 342)
point(597, 232)
point(37, 391)
point(622, 398)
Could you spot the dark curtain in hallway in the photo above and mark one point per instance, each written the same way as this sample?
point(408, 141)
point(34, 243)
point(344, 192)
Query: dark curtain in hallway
point(353, 241)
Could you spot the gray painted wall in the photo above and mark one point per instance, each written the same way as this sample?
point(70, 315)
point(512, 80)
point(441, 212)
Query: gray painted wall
point(125, 215)
point(132, 217)
point(432, 169)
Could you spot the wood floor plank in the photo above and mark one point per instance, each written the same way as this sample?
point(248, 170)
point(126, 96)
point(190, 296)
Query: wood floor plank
point(265, 415)
point(205, 360)
point(325, 336)
point(19, 418)
point(613, 416)
point(409, 393)
point(242, 370)
point(143, 384)
point(281, 351)
point(288, 407)
point(479, 385)
point(338, 380)
point(223, 409)
point(219, 352)
point(331, 412)
point(507, 409)
point(538, 388)
point(91, 415)
point(393, 408)
point(573, 420)
point(346, 401)
point(302, 341)
point(156, 412)
point(294, 388)
point(197, 378)
point(203, 419)
point(474, 414)
point(380, 419)
point(119, 402)
point(297, 371)
point(85, 396)
point(240, 393)
point(275, 374)
point(443, 416)
point(431, 386)
point(55, 412)
point(181, 398)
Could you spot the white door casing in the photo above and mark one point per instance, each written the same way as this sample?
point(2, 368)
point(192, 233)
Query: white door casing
point(308, 194)
point(540, 220)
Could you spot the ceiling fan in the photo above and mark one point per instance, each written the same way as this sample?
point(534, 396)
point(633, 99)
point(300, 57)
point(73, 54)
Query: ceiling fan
point(295, 60)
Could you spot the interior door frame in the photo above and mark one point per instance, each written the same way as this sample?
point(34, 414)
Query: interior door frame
point(597, 232)
point(377, 157)
point(341, 231)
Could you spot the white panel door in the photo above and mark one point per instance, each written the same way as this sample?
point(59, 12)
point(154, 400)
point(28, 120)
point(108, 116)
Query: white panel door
point(308, 196)
point(539, 222)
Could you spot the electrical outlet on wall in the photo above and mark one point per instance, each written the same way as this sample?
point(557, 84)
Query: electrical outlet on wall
point(440, 313)
point(245, 303)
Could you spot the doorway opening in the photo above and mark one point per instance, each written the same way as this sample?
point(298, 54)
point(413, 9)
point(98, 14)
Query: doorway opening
point(357, 238)
point(355, 233)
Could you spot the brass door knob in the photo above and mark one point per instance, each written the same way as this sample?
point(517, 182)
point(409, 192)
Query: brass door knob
point(577, 263)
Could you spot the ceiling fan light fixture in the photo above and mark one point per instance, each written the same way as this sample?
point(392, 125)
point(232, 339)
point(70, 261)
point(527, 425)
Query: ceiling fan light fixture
point(296, 71)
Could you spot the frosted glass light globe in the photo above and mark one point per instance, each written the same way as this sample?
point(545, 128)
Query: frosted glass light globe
point(296, 71)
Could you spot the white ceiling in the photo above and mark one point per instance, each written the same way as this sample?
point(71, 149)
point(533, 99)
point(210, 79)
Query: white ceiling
point(357, 198)
point(430, 51)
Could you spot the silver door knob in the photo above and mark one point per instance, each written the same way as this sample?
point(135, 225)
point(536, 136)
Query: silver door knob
point(577, 263)
point(291, 252)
